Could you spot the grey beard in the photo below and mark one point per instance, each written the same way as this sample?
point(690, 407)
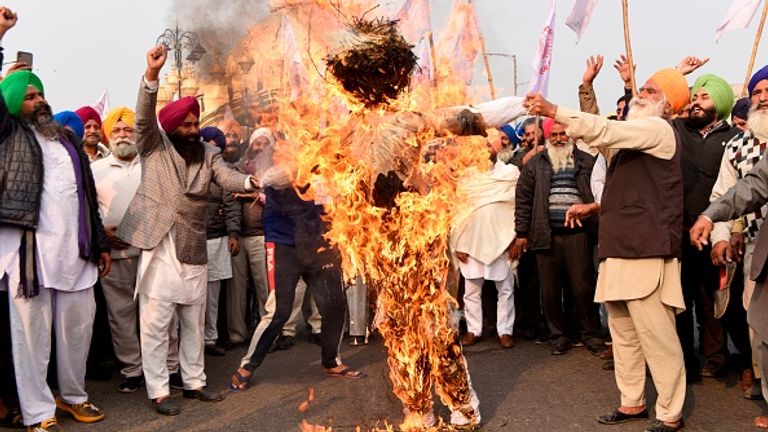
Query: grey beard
point(46, 126)
point(124, 149)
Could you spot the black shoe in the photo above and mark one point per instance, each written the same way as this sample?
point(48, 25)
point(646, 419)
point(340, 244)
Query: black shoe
point(98, 373)
point(176, 381)
point(213, 350)
point(203, 394)
point(659, 426)
point(596, 348)
point(755, 392)
point(235, 344)
point(315, 339)
point(712, 369)
point(283, 342)
point(617, 417)
point(167, 406)
point(559, 347)
point(130, 384)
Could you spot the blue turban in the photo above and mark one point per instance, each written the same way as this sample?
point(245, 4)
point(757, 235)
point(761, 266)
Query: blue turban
point(70, 119)
point(214, 134)
point(741, 108)
point(760, 75)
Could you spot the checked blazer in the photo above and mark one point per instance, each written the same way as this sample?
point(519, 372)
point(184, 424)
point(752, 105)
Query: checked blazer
point(171, 192)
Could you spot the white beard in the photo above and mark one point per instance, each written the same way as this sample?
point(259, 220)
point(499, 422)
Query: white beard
point(560, 156)
point(757, 122)
point(642, 108)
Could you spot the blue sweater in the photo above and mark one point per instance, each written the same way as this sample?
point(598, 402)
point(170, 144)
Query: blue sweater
point(289, 220)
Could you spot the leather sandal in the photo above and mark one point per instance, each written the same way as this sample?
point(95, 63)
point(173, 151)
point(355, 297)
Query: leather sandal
point(618, 417)
point(167, 406)
point(243, 382)
point(659, 426)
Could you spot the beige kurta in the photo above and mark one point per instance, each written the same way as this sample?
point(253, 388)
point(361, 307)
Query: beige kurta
point(653, 136)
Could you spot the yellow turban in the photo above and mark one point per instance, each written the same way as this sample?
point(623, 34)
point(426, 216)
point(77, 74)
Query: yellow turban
point(674, 86)
point(121, 113)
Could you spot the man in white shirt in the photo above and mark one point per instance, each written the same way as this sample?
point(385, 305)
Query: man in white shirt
point(51, 241)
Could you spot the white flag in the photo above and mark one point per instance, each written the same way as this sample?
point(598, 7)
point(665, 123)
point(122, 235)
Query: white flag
point(413, 20)
point(580, 15)
point(543, 59)
point(102, 104)
point(459, 41)
point(293, 69)
point(738, 17)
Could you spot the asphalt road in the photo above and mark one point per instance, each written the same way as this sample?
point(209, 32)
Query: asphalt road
point(524, 389)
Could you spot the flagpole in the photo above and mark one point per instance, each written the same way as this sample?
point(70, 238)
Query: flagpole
point(755, 46)
point(628, 45)
point(433, 58)
point(481, 40)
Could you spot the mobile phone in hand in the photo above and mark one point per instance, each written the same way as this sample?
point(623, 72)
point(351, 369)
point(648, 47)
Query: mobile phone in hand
point(24, 57)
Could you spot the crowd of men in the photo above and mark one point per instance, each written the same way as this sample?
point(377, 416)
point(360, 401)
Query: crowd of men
point(603, 232)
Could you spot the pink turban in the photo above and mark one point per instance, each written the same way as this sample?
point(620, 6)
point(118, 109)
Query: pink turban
point(87, 113)
point(546, 126)
point(173, 114)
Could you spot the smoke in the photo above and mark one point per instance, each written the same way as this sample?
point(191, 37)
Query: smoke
point(220, 25)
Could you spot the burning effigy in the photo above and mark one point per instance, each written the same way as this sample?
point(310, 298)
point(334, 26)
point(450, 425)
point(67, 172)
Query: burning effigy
point(359, 133)
point(389, 211)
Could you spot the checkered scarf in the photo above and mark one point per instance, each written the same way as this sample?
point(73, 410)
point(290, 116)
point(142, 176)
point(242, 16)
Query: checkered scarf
point(744, 151)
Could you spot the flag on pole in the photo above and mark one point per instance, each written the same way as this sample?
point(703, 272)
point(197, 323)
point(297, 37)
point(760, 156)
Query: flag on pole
point(102, 104)
point(543, 59)
point(580, 15)
point(414, 21)
point(295, 75)
point(459, 41)
point(738, 17)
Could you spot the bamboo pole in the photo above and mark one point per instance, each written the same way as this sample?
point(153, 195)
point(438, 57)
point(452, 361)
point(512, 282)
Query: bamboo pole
point(628, 46)
point(433, 58)
point(755, 46)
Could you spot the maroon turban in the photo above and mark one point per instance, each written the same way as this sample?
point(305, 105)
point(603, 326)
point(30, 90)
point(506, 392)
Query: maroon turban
point(173, 114)
point(87, 113)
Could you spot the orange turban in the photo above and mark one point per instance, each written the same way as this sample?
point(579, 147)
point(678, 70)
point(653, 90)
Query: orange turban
point(674, 86)
point(231, 125)
point(124, 114)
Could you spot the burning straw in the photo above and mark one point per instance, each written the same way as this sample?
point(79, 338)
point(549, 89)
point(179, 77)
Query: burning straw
point(377, 65)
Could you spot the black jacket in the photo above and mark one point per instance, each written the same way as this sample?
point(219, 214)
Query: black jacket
point(532, 196)
point(21, 180)
point(700, 164)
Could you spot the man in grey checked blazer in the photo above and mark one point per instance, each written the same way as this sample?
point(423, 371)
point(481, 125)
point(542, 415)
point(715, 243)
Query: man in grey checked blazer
point(167, 220)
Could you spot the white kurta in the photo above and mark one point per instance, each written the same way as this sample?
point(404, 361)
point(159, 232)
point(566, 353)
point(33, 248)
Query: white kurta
point(58, 261)
point(162, 277)
point(65, 302)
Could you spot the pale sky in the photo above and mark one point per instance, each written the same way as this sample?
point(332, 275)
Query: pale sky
point(82, 47)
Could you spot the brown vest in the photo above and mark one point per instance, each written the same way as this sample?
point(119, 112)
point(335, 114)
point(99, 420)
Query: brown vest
point(641, 213)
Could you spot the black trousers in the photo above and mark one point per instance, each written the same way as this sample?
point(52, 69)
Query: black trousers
point(527, 295)
point(569, 263)
point(734, 321)
point(320, 267)
point(700, 279)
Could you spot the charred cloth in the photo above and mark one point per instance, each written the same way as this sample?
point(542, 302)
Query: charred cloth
point(376, 65)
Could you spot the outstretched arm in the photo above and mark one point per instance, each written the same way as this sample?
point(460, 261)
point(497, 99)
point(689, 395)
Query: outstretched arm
point(148, 136)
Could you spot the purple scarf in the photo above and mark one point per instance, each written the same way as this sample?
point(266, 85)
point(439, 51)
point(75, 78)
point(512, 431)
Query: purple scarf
point(28, 249)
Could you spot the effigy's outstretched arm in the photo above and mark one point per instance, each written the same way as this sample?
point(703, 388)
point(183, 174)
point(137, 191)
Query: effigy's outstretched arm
point(475, 119)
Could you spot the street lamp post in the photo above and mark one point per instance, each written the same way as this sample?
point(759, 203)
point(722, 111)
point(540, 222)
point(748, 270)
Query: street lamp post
point(514, 62)
point(178, 41)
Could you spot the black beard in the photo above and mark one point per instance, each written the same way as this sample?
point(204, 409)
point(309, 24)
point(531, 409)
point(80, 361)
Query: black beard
point(43, 122)
point(231, 155)
point(700, 122)
point(191, 150)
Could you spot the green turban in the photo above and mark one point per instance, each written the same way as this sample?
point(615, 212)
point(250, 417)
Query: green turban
point(14, 89)
point(719, 91)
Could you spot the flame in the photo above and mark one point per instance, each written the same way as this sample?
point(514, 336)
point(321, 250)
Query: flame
point(401, 252)
point(340, 147)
